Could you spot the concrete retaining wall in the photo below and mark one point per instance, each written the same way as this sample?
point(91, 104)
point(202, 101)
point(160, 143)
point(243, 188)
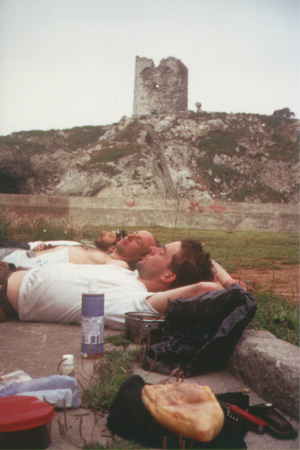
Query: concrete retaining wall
point(270, 366)
point(144, 212)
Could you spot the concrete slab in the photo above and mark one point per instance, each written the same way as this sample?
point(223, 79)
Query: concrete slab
point(37, 349)
point(269, 365)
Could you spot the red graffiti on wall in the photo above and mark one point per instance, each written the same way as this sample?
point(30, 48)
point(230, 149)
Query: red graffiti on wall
point(215, 207)
point(130, 204)
point(196, 207)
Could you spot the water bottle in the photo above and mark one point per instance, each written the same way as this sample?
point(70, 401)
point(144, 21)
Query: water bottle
point(67, 366)
point(92, 322)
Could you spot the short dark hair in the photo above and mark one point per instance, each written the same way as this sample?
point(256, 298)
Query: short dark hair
point(191, 265)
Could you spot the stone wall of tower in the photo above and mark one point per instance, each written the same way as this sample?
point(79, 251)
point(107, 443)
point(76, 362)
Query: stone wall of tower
point(160, 89)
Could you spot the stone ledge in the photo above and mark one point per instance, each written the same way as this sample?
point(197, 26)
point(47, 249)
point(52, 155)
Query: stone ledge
point(270, 366)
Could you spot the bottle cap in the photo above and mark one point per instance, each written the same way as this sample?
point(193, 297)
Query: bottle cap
point(93, 286)
point(68, 359)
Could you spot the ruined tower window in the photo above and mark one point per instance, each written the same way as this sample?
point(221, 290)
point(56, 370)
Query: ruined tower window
point(155, 85)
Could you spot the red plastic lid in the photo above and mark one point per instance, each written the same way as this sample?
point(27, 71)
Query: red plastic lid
point(20, 412)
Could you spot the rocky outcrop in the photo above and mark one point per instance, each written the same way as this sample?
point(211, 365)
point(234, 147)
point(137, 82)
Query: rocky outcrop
point(204, 156)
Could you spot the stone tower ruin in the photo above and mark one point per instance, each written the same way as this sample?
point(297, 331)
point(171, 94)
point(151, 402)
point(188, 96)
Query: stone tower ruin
point(160, 89)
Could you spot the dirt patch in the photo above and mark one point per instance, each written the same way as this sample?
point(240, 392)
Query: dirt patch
point(284, 281)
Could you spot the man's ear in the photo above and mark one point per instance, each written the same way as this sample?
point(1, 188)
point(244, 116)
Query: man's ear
point(111, 248)
point(168, 277)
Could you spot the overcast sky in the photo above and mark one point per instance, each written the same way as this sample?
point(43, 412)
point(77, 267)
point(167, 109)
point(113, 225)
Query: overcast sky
point(66, 63)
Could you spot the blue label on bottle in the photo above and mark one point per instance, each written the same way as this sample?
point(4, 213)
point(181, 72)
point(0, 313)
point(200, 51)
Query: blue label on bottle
point(92, 305)
point(92, 325)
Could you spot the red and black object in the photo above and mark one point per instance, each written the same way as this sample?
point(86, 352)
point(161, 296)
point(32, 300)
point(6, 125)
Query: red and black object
point(237, 414)
point(276, 423)
point(260, 419)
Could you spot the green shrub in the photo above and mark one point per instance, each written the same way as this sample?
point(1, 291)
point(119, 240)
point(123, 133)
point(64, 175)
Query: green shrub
point(85, 135)
point(114, 153)
point(199, 115)
point(284, 149)
point(21, 144)
point(263, 192)
point(131, 132)
point(225, 144)
point(32, 227)
point(117, 339)
point(277, 316)
point(110, 372)
point(274, 121)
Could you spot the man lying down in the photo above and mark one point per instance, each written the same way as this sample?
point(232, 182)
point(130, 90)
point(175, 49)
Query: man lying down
point(106, 242)
point(125, 252)
point(54, 293)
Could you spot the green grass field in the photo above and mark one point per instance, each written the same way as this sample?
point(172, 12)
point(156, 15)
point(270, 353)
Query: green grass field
point(240, 249)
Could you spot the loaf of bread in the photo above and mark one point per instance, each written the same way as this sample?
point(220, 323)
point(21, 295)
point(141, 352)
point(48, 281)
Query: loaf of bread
point(187, 409)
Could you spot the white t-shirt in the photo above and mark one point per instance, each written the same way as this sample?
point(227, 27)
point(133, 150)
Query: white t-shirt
point(54, 293)
point(32, 245)
point(22, 258)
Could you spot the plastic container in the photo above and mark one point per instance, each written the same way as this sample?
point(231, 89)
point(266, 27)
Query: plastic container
point(24, 422)
point(92, 322)
point(67, 366)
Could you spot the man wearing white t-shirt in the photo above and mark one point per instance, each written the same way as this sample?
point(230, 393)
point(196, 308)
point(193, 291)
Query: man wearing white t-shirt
point(53, 293)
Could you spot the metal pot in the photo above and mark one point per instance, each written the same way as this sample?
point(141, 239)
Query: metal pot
point(142, 326)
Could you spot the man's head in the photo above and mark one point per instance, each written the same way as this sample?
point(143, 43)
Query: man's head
point(175, 265)
point(191, 265)
point(135, 246)
point(108, 239)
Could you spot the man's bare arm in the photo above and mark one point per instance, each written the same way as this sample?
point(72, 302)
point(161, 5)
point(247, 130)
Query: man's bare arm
point(224, 278)
point(221, 275)
point(159, 301)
